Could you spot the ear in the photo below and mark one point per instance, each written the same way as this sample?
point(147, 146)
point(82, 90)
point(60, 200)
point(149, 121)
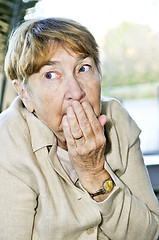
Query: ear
point(22, 92)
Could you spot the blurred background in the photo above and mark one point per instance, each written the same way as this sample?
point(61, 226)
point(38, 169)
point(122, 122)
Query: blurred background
point(127, 32)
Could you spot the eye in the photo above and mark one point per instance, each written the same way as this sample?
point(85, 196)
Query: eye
point(51, 75)
point(85, 68)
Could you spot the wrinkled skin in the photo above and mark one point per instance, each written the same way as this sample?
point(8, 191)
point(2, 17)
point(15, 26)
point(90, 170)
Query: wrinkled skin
point(65, 95)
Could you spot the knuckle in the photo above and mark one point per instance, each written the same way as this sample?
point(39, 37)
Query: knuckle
point(101, 142)
point(87, 150)
point(91, 146)
point(77, 133)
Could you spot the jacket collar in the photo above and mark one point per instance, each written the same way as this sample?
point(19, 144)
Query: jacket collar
point(40, 135)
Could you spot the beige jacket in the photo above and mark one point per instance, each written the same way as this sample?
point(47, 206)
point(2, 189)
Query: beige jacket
point(38, 201)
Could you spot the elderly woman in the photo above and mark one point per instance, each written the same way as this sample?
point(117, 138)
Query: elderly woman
point(70, 166)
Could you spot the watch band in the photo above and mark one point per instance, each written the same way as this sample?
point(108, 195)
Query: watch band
point(106, 188)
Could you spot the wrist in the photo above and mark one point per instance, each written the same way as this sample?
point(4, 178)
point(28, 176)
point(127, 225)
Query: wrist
point(92, 183)
point(107, 187)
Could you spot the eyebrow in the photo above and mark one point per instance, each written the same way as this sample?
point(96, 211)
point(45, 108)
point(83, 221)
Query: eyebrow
point(51, 63)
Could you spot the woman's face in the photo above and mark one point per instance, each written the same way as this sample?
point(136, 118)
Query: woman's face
point(65, 78)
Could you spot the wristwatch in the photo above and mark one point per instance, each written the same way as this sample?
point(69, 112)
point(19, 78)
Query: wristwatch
point(107, 187)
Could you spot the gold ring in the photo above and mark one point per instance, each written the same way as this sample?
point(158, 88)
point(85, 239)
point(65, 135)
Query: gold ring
point(79, 138)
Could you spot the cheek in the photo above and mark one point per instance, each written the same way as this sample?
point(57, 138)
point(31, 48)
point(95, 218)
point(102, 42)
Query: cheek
point(47, 100)
point(50, 106)
point(94, 88)
point(50, 113)
point(93, 96)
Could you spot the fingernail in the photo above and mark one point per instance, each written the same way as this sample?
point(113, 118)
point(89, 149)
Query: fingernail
point(84, 104)
point(76, 103)
point(64, 119)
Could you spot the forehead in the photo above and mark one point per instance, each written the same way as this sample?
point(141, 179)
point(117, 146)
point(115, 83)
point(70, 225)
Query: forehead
point(62, 51)
point(62, 54)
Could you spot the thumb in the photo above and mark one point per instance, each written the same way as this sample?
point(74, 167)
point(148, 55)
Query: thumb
point(102, 120)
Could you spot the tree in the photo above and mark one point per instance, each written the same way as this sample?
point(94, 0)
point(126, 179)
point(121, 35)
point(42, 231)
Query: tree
point(131, 55)
point(11, 13)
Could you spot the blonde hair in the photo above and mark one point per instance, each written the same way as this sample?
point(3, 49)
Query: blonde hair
point(29, 45)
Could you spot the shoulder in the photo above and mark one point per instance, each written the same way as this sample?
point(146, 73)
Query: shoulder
point(9, 116)
point(120, 119)
point(122, 134)
point(17, 157)
point(114, 108)
point(14, 131)
point(22, 135)
point(12, 122)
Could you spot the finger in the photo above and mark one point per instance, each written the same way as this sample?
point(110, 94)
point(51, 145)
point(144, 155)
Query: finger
point(94, 122)
point(102, 120)
point(73, 124)
point(83, 121)
point(67, 132)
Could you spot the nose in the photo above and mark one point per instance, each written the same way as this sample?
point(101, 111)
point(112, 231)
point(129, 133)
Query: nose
point(74, 91)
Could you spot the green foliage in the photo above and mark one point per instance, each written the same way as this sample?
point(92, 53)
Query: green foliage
point(131, 56)
point(138, 91)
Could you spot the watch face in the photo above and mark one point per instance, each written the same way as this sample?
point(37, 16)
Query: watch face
point(108, 185)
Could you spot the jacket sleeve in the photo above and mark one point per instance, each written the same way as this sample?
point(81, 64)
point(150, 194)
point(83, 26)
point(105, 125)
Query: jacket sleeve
point(18, 193)
point(131, 211)
point(17, 207)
